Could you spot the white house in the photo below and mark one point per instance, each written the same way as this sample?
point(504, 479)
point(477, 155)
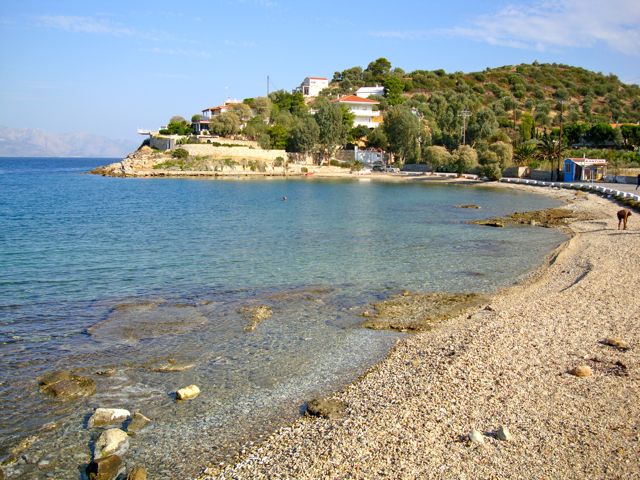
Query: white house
point(208, 113)
point(366, 92)
point(363, 110)
point(312, 86)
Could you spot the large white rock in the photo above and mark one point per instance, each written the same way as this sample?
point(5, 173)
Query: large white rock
point(108, 416)
point(112, 442)
point(476, 437)
point(187, 393)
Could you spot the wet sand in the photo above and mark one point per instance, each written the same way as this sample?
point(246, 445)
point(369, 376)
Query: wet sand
point(503, 363)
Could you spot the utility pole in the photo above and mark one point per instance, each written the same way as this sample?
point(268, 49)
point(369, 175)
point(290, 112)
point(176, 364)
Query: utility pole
point(464, 114)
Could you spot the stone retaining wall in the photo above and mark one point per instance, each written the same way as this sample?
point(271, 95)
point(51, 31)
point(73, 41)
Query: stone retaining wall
point(206, 150)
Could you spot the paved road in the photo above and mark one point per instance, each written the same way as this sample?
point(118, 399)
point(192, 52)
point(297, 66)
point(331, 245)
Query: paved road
point(624, 187)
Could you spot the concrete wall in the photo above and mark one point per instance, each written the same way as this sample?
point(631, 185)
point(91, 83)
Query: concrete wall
point(162, 143)
point(205, 150)
point(541, 175)
point(517, 172)
point(621, 179)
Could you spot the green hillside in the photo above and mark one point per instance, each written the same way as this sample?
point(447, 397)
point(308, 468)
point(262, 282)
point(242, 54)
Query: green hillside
point(523, 100)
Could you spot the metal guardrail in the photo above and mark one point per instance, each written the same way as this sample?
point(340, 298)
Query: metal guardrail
point(574, 186)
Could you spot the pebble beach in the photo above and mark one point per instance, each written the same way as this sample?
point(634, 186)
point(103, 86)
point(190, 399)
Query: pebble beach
point(540, 381)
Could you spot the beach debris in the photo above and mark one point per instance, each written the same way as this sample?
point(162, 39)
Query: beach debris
point(476, 437)
point(66, 385)
point(138, 422)
point(111, 442)
point(188, 393)
point(581, 371)
point(616, 343)
point(106, 468)
point(108, 416)
point(325, 408)
point(137, 473)
point(255, 314)
point(503, 433)
point(469, 205)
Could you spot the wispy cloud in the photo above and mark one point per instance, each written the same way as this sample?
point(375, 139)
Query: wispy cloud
point(179, 52)
point(544, 24)
point(79, 24)
point(241, 44)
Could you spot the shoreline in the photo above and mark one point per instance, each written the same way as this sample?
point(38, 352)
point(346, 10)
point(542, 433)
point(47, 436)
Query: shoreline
point(409, 414)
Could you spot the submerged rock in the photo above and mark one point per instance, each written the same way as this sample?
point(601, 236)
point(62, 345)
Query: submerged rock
point(107, 468)
point(470, 205)
point(255, 315)
point(66, 385)
point(172, 365)
point(111, 442)
point(420, 311)
point(321, 407)
point(108, 416)
point(581, 371)
point(187, 393)
point(138, 422)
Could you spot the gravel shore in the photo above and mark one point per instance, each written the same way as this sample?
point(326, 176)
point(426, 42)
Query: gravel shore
point(505, 365)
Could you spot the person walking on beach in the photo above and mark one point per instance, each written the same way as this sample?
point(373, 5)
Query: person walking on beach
point(638, 185)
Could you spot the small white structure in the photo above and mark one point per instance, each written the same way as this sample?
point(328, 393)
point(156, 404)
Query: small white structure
point(363, 110)
point(312, 86)
point(366, 92)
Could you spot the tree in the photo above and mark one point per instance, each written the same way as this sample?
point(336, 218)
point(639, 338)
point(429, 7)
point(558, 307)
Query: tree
point(243, 111)
point(437, 157)
point(552, 150)
point(379, 69)
point(524, 153)
point(225, 124)
point(255, 128)
point(393, 87)
point(504, 153)
point(332, 129)
point(279, 136)
point(403, 130)
point(527, 127)
point(358, 132)
point(377, 139)
point(178, 126)
point(464, 159)
point(304, 135)
point(283, 101)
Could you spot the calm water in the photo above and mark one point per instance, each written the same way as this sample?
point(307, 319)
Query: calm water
point(101, 273)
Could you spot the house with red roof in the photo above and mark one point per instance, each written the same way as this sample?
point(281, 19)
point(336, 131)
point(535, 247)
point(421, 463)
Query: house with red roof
point(312, 86)
point(362, 109)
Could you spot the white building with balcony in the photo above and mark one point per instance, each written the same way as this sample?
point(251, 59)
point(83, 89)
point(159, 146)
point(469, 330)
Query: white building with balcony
point(312, 86)
point(362, 108)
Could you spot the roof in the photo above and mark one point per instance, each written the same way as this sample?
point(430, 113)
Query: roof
point(355, 99)
point(317, 78)
point(587, 161)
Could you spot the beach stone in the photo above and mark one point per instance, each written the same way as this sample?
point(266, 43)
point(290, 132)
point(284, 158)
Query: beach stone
point(581, 371)
point(66, 385)
point(470, 205)
point(138, 422)
point(503, 433)
point(187, 393)
point(111, 442)
point(137, 473)
point(256, 315)
point(107, 468)
point(321, 407)
point(476, 437)
point(108, 416)
point(616, 343)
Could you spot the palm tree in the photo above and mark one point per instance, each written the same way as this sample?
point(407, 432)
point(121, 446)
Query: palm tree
point(552, 151)
point(524, 153)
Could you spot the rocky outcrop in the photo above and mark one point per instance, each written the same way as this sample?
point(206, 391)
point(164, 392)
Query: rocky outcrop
point(187, 393)
point(111, 442)
point(108, 416)
point(107, 468)
point(66, 385)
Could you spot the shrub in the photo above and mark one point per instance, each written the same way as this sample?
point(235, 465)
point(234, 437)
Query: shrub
point(180, 153)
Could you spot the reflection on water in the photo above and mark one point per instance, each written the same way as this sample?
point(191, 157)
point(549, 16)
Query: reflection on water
point(140, 285)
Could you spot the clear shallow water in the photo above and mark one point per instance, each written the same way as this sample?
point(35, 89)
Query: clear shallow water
point(163, 267)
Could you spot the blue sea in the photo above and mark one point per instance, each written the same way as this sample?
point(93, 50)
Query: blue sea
point(115, 278)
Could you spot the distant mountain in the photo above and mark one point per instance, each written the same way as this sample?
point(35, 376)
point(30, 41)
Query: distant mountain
point(32, 142)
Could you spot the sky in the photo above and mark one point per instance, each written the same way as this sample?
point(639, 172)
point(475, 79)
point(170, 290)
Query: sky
point(112, 67)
